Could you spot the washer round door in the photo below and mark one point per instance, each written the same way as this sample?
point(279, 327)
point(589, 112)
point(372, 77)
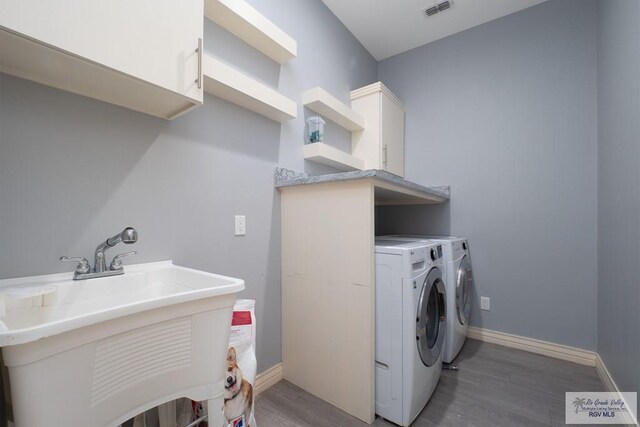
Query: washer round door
point(464, 282)
point(431, 317)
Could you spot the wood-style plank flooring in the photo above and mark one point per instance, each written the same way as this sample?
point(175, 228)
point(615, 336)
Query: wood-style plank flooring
point(494, 386)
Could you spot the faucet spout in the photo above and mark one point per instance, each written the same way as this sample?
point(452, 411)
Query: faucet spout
point(128, 235)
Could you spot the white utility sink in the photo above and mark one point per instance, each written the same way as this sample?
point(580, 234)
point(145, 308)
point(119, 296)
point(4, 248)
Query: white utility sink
point(96, 352)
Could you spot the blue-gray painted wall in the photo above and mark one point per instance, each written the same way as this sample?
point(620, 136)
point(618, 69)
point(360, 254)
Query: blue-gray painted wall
point(74, 171)
point(506, 114)
point(619, 190)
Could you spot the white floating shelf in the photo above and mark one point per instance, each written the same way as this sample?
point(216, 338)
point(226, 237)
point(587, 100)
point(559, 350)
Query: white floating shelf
point(230, 84)
point(322, 102)
point(239, 18)
point(328, 155)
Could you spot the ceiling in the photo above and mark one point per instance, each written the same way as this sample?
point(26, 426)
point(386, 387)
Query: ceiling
point(389, 27)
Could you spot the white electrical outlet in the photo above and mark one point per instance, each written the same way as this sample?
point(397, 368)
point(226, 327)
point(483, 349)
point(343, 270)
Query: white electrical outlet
point(485, 303)
point(241, 225)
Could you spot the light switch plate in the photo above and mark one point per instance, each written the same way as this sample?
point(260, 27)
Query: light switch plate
point(241, 225)
point(485, 303)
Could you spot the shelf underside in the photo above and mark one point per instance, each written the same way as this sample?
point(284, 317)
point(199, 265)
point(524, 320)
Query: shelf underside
point(323, 103)
point(242, 20)
point(328, 155)
point(227, 83)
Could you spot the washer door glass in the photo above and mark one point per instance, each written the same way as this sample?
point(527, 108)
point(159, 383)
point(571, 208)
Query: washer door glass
point(430, 327)
point(463, 287)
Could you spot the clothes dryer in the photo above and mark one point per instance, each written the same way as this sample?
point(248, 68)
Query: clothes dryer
point(458, 277)
point(410, 327)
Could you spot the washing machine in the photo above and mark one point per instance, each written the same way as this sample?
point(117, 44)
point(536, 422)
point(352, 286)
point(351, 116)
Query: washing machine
point(410, 327)
point(458, 277)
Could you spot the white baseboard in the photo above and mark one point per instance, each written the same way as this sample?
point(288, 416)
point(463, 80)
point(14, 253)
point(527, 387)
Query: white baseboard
point(269, 378)
point(609, 382)
point(604, 374)
point(545, 348)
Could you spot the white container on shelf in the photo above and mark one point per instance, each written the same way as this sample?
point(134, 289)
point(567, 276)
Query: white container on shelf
point(315, 124)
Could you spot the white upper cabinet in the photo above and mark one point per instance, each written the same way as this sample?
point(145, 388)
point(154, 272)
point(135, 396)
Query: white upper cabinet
point(381, 143)
point(139, 54)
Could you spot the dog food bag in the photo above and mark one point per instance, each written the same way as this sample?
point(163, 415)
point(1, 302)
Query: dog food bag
point(240, 370)
point(241, 367)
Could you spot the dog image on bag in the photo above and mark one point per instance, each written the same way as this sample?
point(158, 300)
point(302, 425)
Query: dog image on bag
point(238, 393)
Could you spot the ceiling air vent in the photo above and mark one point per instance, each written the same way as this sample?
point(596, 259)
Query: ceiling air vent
point(431, 10)
point(438, 7)
point(444, 6)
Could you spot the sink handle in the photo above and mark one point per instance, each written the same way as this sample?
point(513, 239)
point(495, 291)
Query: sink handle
point(116, 264)
point(83, 266)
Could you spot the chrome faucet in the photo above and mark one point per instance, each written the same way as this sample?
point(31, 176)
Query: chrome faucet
point(83, 269)
point(128, 236)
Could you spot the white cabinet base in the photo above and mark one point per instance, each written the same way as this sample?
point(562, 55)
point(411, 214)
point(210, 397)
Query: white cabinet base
point(328, 280)
point(328, 293)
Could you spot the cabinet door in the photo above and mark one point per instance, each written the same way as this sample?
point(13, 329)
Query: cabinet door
point(392, 136)
point(151, 40)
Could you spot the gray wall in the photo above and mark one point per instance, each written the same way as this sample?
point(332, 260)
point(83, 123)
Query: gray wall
point(73, 170)
point(619, 190)
point(506, 114)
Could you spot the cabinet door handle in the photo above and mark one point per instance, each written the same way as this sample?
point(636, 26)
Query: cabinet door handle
point(199, 50)
point(384, 155)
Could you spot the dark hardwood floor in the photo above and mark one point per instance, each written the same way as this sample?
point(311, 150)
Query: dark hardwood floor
point(494, 386)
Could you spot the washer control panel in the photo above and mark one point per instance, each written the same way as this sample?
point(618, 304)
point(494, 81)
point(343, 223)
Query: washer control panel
point(459, 248)
point(435, 252)
point(418, 255)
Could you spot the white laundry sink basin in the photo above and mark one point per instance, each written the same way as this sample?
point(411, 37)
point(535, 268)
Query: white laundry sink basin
point(42, 306)
point(98, 351)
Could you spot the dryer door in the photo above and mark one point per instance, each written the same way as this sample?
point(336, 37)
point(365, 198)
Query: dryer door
point(464, 281)
point(431, 316)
